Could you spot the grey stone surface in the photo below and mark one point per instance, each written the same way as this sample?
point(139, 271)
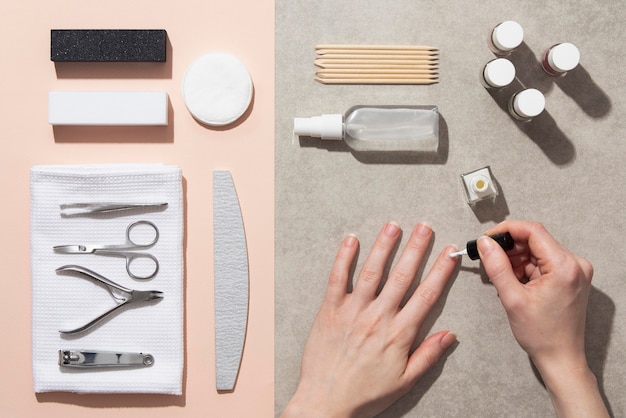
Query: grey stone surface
point(564, 169)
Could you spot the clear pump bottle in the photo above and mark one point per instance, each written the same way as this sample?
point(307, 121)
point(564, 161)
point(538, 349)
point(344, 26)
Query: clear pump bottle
point(377, 128)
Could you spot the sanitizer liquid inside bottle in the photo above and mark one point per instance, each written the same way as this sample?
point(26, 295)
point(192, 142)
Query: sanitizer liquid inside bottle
point(382, 128)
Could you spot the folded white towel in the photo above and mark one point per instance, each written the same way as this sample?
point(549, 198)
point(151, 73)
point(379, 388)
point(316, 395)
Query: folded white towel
point(67, 302)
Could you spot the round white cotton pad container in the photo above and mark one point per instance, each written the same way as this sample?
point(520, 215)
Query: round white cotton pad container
point(217, 89)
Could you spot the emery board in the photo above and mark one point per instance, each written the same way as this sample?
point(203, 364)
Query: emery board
point(231, 281)
point(108, 108)
point(108, 45)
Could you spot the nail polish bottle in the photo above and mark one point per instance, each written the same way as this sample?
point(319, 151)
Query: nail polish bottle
point(377, 128)
point(505, 37)
point(479, 185)
point(497, 73)
point(526, 104)
point(560, 58)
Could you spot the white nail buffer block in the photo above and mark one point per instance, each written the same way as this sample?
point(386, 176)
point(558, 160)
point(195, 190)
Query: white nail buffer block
point(230, 282)
point(112, 108)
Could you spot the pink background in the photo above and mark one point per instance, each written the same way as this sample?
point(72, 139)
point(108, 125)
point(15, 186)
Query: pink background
point(243, 28)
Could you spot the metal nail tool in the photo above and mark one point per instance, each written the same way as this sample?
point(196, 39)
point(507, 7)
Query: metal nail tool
point(108, 359)
point(69, 210)
point(120, 293)
point(126, 250)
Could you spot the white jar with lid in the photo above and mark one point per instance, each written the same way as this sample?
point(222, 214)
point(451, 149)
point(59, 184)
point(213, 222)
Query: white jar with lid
point(505, 37)
point(560, 58)
point(497, 73)
point(527, 104)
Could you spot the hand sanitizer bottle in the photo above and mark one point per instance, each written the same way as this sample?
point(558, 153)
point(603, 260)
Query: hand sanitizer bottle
point(377, 128)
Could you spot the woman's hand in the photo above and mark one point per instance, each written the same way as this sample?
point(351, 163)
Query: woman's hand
point(544, 289)
point(358, 358)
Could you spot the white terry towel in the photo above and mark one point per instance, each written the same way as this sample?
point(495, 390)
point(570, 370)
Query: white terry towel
point(67, 302)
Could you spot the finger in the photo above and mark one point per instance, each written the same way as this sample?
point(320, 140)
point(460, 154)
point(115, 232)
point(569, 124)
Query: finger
point(499, 270)
point(429, 290)
point(372, 271)
point(427, 355)
point(586, 267)
point(531, 235)
point(340, 272)
point(403, 273)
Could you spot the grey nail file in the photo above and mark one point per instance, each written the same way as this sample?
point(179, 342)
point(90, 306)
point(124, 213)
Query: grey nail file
point(230, 282)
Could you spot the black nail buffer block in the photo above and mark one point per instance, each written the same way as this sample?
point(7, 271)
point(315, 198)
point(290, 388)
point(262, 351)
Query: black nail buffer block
point(104, 45)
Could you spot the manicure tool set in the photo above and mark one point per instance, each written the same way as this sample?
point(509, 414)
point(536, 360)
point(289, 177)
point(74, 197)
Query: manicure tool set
point(218, 91)
point(132, 250)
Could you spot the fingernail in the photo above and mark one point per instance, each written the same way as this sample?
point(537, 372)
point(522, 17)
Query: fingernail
point(487, 245)
point(392, 229)
point(350, 240)
point(447, 340)
point(423, 229)
point(452, 248)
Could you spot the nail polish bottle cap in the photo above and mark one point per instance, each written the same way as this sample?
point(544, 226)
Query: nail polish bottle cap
point(480, 184)
point(499, 72)
point(324, 127)
point(529, 103)
point(564, 57)
point(507, 35)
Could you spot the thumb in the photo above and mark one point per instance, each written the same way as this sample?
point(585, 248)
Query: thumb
point(428, 354)
point(499, 269)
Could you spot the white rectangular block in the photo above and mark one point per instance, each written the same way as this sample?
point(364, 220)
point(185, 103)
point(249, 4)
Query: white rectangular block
point(107, 108)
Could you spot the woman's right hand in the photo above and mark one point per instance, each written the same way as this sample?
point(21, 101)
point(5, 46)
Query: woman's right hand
point(544, 289)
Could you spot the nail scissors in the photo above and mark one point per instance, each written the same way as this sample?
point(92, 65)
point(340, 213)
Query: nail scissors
point(126, 250)
point(120, 293)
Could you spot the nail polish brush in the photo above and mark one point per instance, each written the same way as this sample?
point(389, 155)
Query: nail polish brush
point(505, 241)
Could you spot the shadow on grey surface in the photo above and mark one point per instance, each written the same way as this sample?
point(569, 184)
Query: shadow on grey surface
point(387, 157)
point(528, 71)
point(578, 85)
point(542, 130)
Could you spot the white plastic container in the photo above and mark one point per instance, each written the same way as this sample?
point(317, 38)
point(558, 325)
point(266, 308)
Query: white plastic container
point(527, 104)
point(377, 128)
point(497, 73)
point(505, 37)
point(560, 58)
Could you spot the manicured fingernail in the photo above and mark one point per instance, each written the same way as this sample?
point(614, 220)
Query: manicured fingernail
point(452, 248)
point(350, 240)
point(485, 245)
point(392, 229)
point(423, 229)
point(447, 340)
